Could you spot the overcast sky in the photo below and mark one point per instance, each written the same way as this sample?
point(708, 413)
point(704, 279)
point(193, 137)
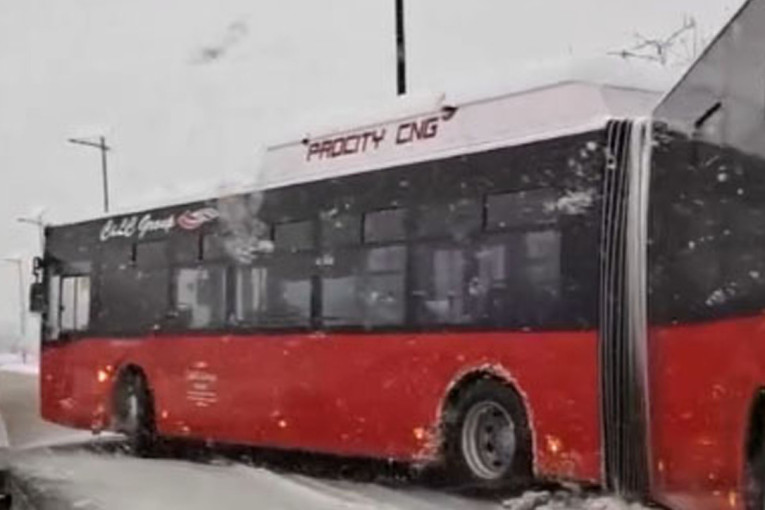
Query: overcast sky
point(186, 90)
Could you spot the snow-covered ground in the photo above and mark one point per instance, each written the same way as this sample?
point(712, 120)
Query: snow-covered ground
point(17, 363)
point(91, 481)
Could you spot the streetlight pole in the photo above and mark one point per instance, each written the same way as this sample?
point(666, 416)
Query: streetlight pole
point(19, 263)
point(400, 49)
point(38, 222)
point(101, 145)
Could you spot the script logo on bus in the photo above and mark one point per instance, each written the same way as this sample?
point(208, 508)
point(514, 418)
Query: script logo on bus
point(192, 220)
point(138, 226)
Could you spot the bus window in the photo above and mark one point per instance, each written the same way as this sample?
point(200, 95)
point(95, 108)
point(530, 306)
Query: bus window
point(340, 230)
point(297, 236)
point(706, 233)
point(185, 248)
point(511, 279)
point(365, 287)
point(278, 295)
point(54, 307)
point(74, 312)
point(213, 247)
point(251, 294)
point(456, 220)
point(384, 226)
point(200, 297)
point(519, 278)
point(289, 291)
point(521, 208)
point(443, 291)
point(384, 287)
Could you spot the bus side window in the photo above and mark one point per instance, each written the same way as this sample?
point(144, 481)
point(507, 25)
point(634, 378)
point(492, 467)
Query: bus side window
point(54, 307)
point(364, 285)
point(521, 209)
point(294, 236)
point(74, 310)
point(200, 297)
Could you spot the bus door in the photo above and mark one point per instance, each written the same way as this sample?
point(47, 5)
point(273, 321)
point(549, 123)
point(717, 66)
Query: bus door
point(66, 316)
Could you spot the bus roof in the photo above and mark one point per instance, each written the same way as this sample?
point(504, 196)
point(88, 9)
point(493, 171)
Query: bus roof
point(539, 102)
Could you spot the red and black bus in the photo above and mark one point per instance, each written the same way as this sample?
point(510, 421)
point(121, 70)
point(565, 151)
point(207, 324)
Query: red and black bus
point(561, 282)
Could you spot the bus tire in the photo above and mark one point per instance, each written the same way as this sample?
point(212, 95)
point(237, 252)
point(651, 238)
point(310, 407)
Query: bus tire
point(134, 413)
point(755, 456)
point(487, 437)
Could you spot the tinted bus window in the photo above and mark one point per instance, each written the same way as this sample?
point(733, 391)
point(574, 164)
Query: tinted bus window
point(185, 249)
point(289, 292)
point(276, 295)
point(252, 295)
point(200, 296)
point(365, 288)
point(384, 226)
point(342, 230)
point(296, 236)
point(75, 303)
point(457, 219)
point(213, 247)
point(511, 279)
point(707, 232)
point(520, 208)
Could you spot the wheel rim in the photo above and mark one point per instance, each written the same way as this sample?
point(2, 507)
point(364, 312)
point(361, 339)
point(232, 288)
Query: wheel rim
point(488, 440)
point(131, 413)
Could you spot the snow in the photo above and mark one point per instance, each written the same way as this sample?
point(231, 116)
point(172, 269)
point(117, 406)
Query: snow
point(526, 77)
point(114, 481)
point(18, 363)
point(565, 500)
point(119, 482)
point(576, 202)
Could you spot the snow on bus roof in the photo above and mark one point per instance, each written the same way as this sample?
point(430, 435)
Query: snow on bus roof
point(643, 83)
point(611, 71)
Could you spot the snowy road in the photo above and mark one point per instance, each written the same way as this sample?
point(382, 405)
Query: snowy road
point(95, 481)
point(53, 474)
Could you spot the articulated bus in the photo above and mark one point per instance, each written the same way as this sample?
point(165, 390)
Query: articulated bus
point(563, 282)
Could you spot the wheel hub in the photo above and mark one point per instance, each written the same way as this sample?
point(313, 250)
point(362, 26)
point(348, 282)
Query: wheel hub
point(488, 440)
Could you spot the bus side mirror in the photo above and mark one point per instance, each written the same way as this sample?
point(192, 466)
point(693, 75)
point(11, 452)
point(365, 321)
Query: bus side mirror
point(37, 297)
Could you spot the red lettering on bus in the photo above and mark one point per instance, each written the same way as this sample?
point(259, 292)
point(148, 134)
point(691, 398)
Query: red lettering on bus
point(409, 132)
point(377, 138)
point(345, 145)
point(313, 149)
point(351, 144)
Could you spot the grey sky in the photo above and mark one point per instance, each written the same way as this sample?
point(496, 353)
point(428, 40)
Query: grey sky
point(142, 72)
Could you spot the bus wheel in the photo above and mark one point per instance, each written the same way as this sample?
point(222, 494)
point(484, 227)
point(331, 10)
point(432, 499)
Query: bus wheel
point(755, 455)
point(134, 413)
point(487, 438)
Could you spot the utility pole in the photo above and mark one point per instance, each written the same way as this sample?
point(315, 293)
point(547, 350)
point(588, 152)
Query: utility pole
point(36, 221)
point(19, 263)
point(101, 145)
point(400, 49)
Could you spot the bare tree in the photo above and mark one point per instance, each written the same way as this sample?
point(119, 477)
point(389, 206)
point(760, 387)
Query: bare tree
point(680, 47)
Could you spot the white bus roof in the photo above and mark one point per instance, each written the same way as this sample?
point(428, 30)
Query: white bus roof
point(539, 102)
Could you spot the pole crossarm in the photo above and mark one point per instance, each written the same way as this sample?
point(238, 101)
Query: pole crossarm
point(101, 146)
point(97, 145)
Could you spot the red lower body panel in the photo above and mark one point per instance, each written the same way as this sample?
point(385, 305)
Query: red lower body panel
point(703, 380)
point(377, 395)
